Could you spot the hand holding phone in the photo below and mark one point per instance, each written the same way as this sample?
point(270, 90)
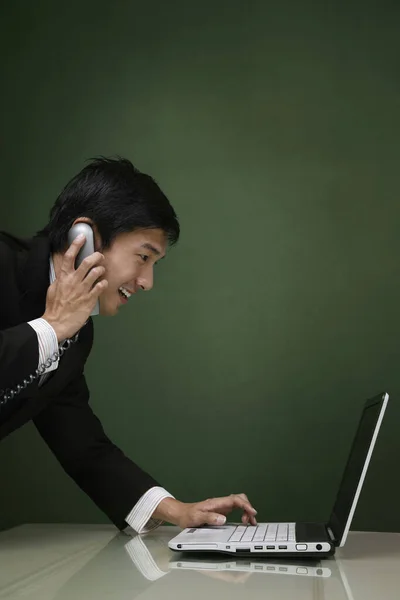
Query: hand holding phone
point(74, 295)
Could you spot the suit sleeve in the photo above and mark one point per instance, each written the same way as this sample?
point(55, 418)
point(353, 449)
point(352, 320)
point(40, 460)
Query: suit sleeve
point(76, 437)
point(19, 354)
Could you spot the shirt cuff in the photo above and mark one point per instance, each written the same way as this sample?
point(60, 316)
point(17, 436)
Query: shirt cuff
point(140, 516)
point(143, 560)
point(48, 343)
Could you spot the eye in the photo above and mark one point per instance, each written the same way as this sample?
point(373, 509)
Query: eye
point(144, 257)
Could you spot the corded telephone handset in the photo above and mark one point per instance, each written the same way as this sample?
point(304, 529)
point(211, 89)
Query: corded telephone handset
point(86, 250)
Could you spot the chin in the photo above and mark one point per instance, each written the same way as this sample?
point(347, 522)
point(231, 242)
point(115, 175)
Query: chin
point(108, 309)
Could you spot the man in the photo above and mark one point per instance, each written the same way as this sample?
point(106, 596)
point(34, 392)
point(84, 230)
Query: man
point(46, 303)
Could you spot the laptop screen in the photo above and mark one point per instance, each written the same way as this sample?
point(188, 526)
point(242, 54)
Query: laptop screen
point(356, 468)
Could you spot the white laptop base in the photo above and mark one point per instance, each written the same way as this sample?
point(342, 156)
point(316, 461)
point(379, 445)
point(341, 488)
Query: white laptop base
point(311, 540)
point(265, 539)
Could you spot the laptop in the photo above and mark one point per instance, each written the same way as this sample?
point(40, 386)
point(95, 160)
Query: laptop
point(306, 540)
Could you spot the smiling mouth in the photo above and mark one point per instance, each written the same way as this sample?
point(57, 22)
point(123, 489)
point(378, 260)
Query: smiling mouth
point(124, 292)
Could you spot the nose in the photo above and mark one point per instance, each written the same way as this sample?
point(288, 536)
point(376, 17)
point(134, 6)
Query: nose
point(145, 280)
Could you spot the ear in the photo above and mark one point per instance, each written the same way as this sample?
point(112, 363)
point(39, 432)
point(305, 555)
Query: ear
point(97, 237)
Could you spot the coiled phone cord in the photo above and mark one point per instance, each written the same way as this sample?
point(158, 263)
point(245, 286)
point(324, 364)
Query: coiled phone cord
point(6, 395)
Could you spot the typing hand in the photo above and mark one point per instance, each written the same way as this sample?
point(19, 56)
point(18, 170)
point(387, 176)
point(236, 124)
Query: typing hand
point(212, 511)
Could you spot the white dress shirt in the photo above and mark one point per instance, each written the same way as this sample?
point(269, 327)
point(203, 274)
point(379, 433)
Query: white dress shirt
point(139, 517)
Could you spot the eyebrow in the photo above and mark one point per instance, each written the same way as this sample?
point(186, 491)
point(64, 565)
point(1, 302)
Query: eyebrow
point(151, 248)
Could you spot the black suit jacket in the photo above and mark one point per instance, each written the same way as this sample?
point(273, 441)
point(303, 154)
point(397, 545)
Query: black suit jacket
point(60, 407)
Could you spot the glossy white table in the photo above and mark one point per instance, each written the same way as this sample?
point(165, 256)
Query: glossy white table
point(70, 562)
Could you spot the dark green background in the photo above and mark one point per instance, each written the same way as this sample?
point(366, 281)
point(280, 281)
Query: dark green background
point(273, 127)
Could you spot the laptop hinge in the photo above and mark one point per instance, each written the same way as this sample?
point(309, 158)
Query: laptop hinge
point(334, 528)
point(330, 532)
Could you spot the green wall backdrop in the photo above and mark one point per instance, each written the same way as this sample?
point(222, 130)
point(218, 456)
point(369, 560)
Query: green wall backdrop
point(274, 129)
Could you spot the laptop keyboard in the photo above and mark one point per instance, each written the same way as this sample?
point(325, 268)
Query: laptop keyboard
point(266, 532)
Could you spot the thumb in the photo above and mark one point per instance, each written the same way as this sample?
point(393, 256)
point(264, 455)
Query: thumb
point(212, 518)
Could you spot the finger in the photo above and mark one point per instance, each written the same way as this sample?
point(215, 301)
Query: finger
point(253, 520)
point(89, 263)
point(212, 518)
point(228, 503)
point(70, 255)
point(245, 498)
point(99, 288)
point(247, 504)
point(248, 517)
point(93, 276)
point(242, 496)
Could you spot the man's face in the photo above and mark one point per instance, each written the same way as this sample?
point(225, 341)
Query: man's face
point(129, 263)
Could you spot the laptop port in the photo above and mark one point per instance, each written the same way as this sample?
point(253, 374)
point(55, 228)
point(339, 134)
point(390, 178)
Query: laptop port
point(284, 569)
point(242, 549)
point(257, 547)
point(270, 547)
point(282, 547)
point(259, 567)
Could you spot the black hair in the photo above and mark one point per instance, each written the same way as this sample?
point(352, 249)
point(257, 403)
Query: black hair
point(117, 197)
